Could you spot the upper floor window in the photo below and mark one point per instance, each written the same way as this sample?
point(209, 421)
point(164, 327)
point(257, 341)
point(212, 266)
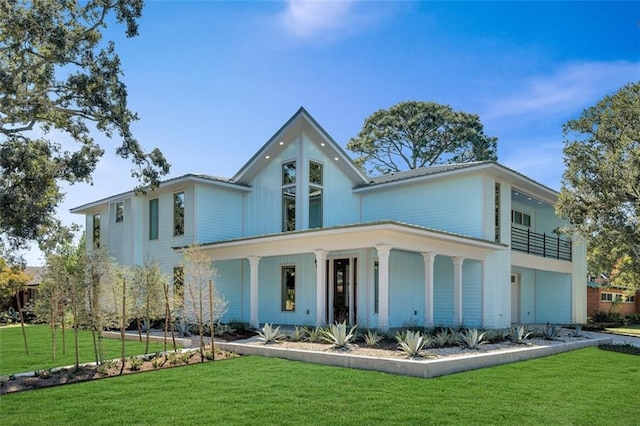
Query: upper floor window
point(289, 196)
point(520, 218)
point(153, 219)
point(315, 195)
point(496, 195)
point(178, 214)
point(96, 231)
point(119, 211)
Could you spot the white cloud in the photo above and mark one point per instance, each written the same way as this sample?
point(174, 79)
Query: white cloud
point(304, 18)
point(570, 88)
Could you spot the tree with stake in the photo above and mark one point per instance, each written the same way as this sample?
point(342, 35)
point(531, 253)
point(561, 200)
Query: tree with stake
point(147, 292)
point(413, 134)
point(600, 192)
point(202, 302)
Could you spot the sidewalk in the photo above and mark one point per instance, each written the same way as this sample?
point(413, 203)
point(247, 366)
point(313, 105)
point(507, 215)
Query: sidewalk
point(618, 339)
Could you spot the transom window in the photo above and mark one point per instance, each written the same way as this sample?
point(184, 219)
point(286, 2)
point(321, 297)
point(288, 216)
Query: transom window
point(288, 288)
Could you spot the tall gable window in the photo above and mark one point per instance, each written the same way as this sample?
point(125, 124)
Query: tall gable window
point(315, 195)
point(496, 195)
point(178, 214)
point(289, 196)
point(96, 231)
point(153, 219)
point(288, 288)
point(119, 212)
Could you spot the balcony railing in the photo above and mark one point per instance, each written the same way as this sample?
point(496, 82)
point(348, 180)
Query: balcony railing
point(544, 245)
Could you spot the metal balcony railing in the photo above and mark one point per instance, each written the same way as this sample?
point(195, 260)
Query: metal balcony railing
point(527, 241)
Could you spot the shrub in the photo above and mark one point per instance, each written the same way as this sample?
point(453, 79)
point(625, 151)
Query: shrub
point(298, 334)
point(157, 362)
point(135, 363)
point(445, 337)
point(182, 327)
point(314, 335)
point(472, 338)
point(372, 338)
point(337, 335)
point(412, 343)
point(519, 335)
point(270, 334)
point(577, 331)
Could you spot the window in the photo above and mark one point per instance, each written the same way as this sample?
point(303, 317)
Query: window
point(520, 218)
point(496, 196)
point(289, 196)
point(288, 288)
point(178, 214)
point(315, 195)
point(606, 297)
point(96, 231)
point(629, 299)
point(153, 219)
point(119, 212)
point(178, 280)
point(376, 287)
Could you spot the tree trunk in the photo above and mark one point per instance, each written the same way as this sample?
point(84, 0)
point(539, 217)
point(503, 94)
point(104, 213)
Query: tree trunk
point(24, 333)
point(53, 324)
point(74, 300)
point(168, 309)
point(123, 325)
point(201, 325)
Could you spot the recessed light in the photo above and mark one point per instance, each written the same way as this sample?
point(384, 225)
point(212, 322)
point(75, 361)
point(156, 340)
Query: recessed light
point(267, 157)
point(517, 193)
point(321, 143)
point(335, 158)
point(281, 143)
point(529, 198)
point(539, 202)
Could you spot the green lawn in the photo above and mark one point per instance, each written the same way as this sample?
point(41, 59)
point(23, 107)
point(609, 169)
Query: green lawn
point(630, 330)
point(588, 386)
point(13, 358)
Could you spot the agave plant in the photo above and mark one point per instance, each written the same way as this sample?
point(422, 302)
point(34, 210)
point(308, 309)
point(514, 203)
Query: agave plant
point(372, 338)
point(577, 332)
point(270, 334)
point(314, 335)
point(552, 331)
point(338, 336)
point(519, 334)
point(298, 334)
point(472, 338)
point(182, 327)
point(412, 343)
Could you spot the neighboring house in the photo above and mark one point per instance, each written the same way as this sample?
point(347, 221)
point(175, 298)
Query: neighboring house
point(603, 298)
point(30, 294)
point(301, 236)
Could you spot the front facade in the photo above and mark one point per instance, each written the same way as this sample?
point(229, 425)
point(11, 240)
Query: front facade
point(301, 236)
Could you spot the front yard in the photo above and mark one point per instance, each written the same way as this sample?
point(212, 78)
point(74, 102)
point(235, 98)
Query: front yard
point(588, 386)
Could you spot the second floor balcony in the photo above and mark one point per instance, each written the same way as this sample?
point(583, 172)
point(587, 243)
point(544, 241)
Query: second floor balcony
point(552, 246)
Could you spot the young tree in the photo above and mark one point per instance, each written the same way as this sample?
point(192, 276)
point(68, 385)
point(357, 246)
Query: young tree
point(419, 134)
point(13, 279)
point(147, 294)
point(58, 74)
point(202, 302)
point(600, 192)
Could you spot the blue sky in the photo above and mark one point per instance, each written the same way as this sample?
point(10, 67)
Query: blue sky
point(212, 81)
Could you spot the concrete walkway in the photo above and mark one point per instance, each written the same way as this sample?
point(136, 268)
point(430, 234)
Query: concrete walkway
point(618, 339)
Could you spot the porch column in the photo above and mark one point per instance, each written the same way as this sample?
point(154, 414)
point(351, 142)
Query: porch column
point(429, 258)
point(321, 286)
point(383, 285)
point(457, 290)
point(254, 261)
point(352, 292)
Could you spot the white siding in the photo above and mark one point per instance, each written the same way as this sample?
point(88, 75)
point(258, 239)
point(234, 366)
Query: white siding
point(472, 293)
point(218, 214)
point(454, 205)
point(406, 289)
point(553, 297)
point(443, 291)
point(229, 283)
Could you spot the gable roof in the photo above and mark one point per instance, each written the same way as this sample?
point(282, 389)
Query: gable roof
point(300, 122)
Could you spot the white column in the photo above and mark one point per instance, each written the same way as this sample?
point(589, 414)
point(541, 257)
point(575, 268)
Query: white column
point(383, 285)
point(331, 292)
point(429, 258)
point(254, 261)
point(457, 290)
point(321, 286)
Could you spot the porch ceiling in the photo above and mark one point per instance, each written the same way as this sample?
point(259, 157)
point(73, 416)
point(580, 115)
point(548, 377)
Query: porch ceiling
point(397, 235)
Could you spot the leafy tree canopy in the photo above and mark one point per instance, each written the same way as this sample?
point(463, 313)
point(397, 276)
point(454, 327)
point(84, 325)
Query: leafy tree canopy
point(59, 78)
point(419, 134)
point(600, 192)
point(12, 279)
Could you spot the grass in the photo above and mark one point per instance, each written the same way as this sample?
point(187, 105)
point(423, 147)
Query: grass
point(13, 358)
point(629, 330)
point(569, 388)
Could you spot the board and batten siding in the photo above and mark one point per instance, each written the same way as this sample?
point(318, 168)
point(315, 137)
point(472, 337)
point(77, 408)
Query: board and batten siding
point(454, 205)
point(472, 297)
point(406, 289)
point(218, 214)
point(230, 285)
point(553, 297)
point(443, 291)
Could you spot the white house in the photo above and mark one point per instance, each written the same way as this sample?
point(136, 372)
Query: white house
point(301, 236)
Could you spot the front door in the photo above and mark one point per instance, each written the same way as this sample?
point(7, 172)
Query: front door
point(342, 291)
